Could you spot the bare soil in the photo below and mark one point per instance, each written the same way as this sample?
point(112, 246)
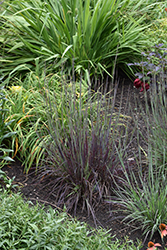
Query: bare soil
point(34, 191)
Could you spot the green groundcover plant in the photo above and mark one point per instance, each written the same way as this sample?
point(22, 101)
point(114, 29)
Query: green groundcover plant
point(25, 226)
point(152, 10)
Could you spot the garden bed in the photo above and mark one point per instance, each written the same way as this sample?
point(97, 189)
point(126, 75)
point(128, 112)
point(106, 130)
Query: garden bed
point(108, 216)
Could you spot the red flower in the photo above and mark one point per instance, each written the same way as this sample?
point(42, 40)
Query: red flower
point(137, 83)
point(163, 229)
point(152, 246)
point(165, 9)
point(144, 86)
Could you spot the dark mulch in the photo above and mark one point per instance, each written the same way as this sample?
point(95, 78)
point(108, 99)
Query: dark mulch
point(33, 190)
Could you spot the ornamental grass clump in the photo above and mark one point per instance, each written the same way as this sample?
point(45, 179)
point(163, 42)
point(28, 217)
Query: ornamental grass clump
point(144, 199)
point(82, 161)
point(158, 130)
point(156, 120)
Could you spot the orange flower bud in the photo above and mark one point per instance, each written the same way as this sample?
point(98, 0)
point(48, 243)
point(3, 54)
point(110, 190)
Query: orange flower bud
point(150, 244)
point(162, 226)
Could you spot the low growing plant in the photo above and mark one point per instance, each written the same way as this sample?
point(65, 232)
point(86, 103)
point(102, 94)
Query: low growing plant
point(149, 9)
point(25, 226)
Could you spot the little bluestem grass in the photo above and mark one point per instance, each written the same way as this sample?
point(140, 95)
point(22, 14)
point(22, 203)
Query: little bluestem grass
point(81, 161)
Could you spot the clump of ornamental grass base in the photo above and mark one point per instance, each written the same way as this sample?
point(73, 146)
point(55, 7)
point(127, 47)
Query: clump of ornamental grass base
point(82, 164)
